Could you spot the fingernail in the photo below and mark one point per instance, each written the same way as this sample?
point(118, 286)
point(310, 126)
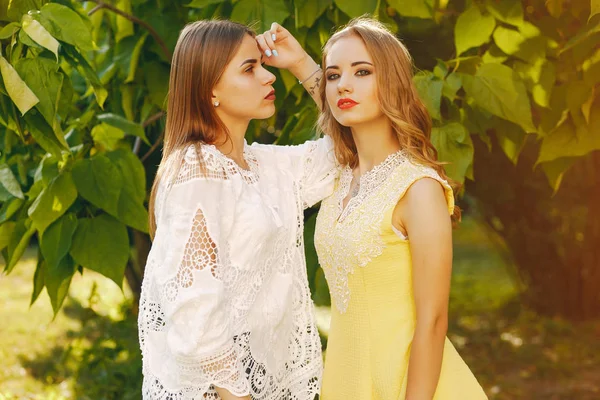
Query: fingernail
point(268, 53)
point(274, 37)
point(275, 53)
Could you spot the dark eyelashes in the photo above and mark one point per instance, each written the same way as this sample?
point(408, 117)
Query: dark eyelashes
point(361, 72)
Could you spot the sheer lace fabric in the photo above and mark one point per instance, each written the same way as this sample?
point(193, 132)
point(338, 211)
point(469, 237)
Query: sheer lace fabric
point(225, 299)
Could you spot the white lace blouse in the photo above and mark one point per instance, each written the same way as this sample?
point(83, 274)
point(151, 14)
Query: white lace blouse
point(225, 299)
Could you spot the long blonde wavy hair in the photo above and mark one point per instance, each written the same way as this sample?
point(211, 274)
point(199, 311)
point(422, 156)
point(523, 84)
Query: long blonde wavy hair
point(398, 99)
point(202, 52)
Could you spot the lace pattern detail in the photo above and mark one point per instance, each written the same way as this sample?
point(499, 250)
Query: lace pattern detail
point(369, 182)
point(351, 238)
point(284, 326)
point(210, 163)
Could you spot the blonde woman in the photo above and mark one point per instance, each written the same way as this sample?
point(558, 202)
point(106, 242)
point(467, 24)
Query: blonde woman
point(384, 237)
point(225, 309)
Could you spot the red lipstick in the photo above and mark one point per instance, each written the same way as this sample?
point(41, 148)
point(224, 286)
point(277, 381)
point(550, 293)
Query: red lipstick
point(271, 95)
point(346, 103)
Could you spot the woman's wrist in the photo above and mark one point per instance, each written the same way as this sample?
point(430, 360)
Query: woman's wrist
point(304, 68)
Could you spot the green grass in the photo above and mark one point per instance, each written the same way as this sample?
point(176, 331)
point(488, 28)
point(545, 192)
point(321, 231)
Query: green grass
point(90, 351)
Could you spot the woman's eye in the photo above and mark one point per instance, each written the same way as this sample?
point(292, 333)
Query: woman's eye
point(331, 77)
point(249, 69)
point(363, 72)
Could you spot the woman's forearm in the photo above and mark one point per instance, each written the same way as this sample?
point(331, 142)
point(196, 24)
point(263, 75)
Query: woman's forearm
point(310, 74)
point(426, 360)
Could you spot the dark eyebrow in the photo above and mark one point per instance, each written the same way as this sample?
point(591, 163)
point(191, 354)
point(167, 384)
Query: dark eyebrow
point(354, 64)
point(249, 61)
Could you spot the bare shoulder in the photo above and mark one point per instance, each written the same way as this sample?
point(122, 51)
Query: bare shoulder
point(424, 198)
point(424, 190)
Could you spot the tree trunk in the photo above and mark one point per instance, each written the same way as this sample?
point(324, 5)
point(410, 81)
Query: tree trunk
point(554, 239)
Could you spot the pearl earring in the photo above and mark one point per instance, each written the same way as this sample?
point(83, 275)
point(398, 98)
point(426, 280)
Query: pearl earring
point(216, 103)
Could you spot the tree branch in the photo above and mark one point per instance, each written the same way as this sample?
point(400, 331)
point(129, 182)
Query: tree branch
point(153, 118)
point(154, 147)
point(133, 18)
point(138, 141)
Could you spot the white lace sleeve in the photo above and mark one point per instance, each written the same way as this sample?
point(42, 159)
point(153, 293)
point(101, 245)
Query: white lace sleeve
point(313, 165)
point(194, 350)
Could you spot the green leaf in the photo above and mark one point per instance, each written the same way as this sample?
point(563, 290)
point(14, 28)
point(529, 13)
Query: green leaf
point(106, 137)
point(467, 65)
point(9, 208)
point(129, 127)
point(568, 141)
point(511, 138)
point(430, 92)
point(56, 240)
point(496, 88)
point(57, 279)
point(6, 231)
point(16, 88)
point(413, 8)
point(555, 170)
point(202, 3)
point(43, 133)
point(47, 170)
point(42, 76)
point(472, 29)
point(9, 30)
point(354, 8)
point(308, 11)
point(102, 245)
point(509, 11)
point(267, 12)
point(79, 62)
point(131, 210)
point(494, 55)
point(578, 92)
point(514, 43)
point(53, 201)
point(452, 84)
point(66, 25)
point(539, 78)
point(594, 8)
point(157, 81)
point(19, 241)
point(9, 182)
point(39, 34)
point(454, 146)
point(38, 280)
point(124, 26)
point(99, 181)
point(135, 58)
point(16, 9)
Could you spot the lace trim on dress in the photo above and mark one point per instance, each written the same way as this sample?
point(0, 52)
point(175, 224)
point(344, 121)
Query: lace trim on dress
point(369, 182)
point(353, 238)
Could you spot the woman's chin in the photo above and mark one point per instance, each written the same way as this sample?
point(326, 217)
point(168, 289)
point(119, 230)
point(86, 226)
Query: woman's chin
point(266, 112)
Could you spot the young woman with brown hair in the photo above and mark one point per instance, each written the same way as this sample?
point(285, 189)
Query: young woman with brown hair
point(225, 309)
point(384, 237)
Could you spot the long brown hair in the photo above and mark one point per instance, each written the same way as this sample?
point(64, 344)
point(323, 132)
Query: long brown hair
point(202, 52)
point(398, 99)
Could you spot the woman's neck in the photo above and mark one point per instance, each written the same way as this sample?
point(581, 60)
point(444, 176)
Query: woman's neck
point(234, 147)
point(375, 141)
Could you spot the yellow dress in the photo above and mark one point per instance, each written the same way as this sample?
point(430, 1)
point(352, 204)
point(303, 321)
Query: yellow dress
point(368, 269)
